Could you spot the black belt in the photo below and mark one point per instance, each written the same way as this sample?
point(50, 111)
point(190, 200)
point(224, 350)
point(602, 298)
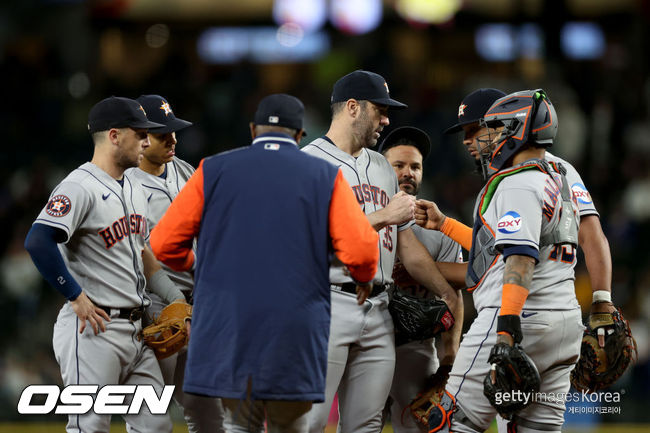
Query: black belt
point(377, 289)
point(132, 314)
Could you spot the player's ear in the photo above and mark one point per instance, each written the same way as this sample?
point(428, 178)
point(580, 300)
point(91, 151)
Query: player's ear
point(353, 107)
point(299, 135)
point(113, 134)
point(251, 125)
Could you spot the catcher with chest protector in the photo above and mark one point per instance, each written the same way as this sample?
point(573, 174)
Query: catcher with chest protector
point(526, 337)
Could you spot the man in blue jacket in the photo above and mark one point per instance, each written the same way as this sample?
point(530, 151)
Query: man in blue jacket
point(267, 218)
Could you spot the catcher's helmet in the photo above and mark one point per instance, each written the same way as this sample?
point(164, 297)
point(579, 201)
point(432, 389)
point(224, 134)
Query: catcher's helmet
point(528, 118)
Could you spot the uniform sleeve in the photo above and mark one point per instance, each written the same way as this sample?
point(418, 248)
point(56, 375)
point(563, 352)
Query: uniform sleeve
point(519, 222)
point(580, 191)
point(450, 251)
point(66, 208)
point(355, 241)
point(172, 238)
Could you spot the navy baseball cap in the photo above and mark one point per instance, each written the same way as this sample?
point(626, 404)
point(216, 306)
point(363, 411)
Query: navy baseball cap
point(117, 112)
point(364, 86)
point(280, 109)
point(159, 111)
point(415, 137)
point(474, 107)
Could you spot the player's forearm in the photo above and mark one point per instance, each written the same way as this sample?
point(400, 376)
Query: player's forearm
point(451, 339)
point(424, 270)
point(594, 244)
point(517, 278)
point(378, 220)
point(454, 273)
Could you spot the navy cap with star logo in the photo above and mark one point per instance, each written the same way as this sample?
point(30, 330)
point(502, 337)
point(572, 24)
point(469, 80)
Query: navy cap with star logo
point(364, 86)
point(118, 112)
point(474, 107)
point(159, 111)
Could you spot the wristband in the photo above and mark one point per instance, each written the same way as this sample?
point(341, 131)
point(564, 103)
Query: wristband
point(512, 325)
point(601, 296)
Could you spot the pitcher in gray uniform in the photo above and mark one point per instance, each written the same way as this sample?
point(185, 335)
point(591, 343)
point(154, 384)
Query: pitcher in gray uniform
point(361, 351)
point(405, 148)
point(520, 268)
point(89, 242)
point(162, 175)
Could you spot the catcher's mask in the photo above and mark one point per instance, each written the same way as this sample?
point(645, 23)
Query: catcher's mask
point(525, 118)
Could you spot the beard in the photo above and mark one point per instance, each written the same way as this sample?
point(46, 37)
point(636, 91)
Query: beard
point(125, 160)
point(364, 130)
point(409, 186)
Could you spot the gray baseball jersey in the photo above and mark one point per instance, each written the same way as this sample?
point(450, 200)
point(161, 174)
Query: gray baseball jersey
point(160, 192)
point(524, 207)
point(361, 347)
point(580, 191)
point(106, 228)
point(373, 182)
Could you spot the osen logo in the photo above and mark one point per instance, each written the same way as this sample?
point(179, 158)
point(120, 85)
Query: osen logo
point(580, 193)
point(509, 223)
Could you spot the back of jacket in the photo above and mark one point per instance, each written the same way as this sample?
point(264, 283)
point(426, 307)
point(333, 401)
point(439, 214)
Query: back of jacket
point(262, 270)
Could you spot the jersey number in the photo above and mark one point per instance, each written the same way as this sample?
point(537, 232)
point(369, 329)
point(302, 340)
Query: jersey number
point(388, 240)
point(564, 253)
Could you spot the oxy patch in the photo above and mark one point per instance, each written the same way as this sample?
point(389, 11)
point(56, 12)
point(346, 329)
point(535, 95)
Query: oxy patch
point(511, 222)
point(581, 194)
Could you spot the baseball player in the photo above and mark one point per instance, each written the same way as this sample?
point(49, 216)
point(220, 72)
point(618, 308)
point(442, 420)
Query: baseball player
point(89, 242)
point(162, 175)
point(361, 352)
point(591, 238)
point(520, 269)
point(405, 148)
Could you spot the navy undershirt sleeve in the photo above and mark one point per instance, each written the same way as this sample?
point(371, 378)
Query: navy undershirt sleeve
point(521, 250)
point(41, 244)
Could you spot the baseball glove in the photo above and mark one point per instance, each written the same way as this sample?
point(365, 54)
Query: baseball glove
point(429, 404)
point(606, 351)
point(168, 333)
point(417, 319)
point(512, 381)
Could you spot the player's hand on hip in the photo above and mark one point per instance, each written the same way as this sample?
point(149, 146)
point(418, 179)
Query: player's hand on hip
point(428, 216)
point(400, 209)
point(86, 310)
point(363, 291)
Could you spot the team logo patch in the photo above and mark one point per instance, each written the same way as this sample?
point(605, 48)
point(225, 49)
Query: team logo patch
point(509, 223)
point(461, 110)
point(581, 194)
point(58, 206)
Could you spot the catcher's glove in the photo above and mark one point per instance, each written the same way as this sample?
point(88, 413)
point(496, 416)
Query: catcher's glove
point(606, 351)
point(168, 333)
point(434, 405)
point(418, 319)
point(513, 380)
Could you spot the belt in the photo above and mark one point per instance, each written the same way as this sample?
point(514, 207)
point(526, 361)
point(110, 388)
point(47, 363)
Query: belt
point(377, 289)
point(132, 314)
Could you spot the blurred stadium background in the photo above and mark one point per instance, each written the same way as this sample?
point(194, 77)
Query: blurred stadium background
point(214, 60)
